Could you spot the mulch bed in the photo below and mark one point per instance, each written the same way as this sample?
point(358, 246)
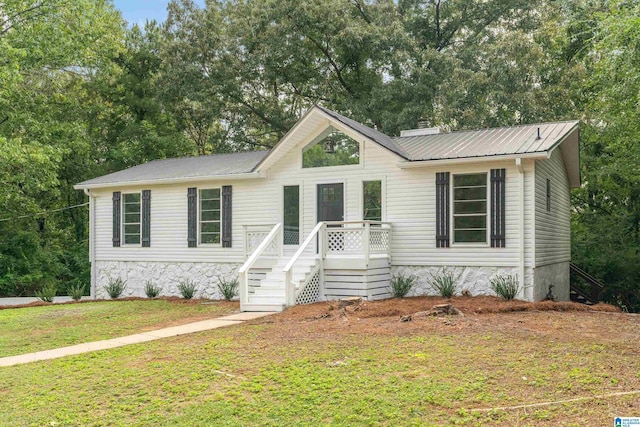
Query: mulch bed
point(398, 307)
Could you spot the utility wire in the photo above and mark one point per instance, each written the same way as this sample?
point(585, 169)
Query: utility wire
point(44, 213)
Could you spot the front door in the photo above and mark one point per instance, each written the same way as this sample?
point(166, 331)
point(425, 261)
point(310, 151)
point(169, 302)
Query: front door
point(330, 202)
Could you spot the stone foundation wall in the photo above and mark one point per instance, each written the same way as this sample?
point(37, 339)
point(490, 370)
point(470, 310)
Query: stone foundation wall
point(553, 274)
point(166, 275)
point(472, 279)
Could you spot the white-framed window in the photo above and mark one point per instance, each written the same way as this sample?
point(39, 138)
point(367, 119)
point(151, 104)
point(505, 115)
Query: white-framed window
point(372, 200)
point(470, 208)
point(210, 214)
point(131, 218)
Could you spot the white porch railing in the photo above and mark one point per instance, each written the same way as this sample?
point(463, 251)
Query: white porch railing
point(255, 234)
point(357, 238)
point(271, 244)
point(290, 286)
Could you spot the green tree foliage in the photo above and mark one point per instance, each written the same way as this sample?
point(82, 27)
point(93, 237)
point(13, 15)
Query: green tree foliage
point(81, 96)
point(49, 50)
point(606, 225)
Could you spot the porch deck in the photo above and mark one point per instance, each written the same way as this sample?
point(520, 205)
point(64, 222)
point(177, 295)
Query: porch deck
point(337, 259)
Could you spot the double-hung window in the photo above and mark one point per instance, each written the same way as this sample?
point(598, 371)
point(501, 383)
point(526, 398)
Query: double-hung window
point(210, 215)
point(131, 219)
point(470, 208)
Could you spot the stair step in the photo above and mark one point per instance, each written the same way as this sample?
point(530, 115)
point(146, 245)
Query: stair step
point(262, 307)
point(266, 299)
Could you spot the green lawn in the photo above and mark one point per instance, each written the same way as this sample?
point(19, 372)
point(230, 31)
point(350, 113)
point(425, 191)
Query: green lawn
point(31, 329)
point(345, 372)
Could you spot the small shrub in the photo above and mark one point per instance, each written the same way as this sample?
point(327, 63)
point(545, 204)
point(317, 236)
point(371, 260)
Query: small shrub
point(401, 285)
point(187, 288)
point(115, 287)
point(228, 287)
point(151, 290)
point(76, 291)
point(505, 286)
point(443, 283)
point(47, 292)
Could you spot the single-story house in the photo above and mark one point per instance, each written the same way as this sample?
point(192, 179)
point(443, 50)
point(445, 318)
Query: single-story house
point(337, 209)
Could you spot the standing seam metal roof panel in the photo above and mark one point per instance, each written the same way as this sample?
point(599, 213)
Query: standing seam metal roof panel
point(486, 142)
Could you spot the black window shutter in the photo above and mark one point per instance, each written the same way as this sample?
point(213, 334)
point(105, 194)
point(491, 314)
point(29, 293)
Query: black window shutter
point(226, 216)
point(192, 217)
point(116, 219)
point(442, 210)
point(498, 237)
point(146, 218)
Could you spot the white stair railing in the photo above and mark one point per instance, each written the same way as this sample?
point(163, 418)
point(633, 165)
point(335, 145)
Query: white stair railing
point(243, 272)
point(290, 286)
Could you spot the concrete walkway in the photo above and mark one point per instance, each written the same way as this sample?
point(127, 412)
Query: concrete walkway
point(173, 331)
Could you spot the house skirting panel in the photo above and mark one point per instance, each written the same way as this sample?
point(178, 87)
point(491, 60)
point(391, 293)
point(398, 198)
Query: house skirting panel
point(370, 284)
point(166, 275)
point(552, 274)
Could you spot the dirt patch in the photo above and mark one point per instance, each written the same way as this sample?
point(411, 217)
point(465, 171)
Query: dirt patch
point(398, 307)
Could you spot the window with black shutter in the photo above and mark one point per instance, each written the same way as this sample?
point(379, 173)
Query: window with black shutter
point(116, 219)
point(192, 217)
point(226, 216)
point(442, 209)
point(146, 218)
point(498, 236)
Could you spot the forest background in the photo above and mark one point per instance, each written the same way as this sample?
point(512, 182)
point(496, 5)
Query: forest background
point(82, 94)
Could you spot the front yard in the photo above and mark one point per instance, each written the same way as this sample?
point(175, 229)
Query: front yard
point(318, 365)
point(30, 329)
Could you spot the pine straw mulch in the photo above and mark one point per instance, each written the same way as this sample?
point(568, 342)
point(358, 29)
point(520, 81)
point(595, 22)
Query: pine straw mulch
point(399, 307)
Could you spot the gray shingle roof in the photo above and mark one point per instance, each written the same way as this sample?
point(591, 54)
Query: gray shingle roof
point(487, 142)
point(379, 137)
point(183, 168)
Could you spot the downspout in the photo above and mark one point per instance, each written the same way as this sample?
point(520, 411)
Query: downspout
point(525, 290)
point(92, 240)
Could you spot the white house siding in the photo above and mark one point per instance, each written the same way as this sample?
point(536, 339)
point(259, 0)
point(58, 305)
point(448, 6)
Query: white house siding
point(552, 228)
point(409, 204)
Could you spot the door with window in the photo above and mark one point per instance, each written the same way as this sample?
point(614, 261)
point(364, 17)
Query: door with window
point(331, 208)
point(330, 202)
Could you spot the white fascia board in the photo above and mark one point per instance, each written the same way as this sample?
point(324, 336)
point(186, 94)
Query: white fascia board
point(266, 162)
point(467, 160)
point(164, 181)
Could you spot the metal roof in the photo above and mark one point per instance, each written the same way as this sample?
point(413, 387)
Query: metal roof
point(379, 137)
point(182, 168)
point(522, 139)
point(514, 140)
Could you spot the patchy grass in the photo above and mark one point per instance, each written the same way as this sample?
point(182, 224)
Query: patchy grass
point(29, 329)
point(299, 369)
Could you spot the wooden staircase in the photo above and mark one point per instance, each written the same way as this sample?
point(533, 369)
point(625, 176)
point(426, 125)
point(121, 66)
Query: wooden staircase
point(577, 293)
point(270, 293)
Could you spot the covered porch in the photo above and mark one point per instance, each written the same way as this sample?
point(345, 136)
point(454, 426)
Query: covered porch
point(336, 259)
